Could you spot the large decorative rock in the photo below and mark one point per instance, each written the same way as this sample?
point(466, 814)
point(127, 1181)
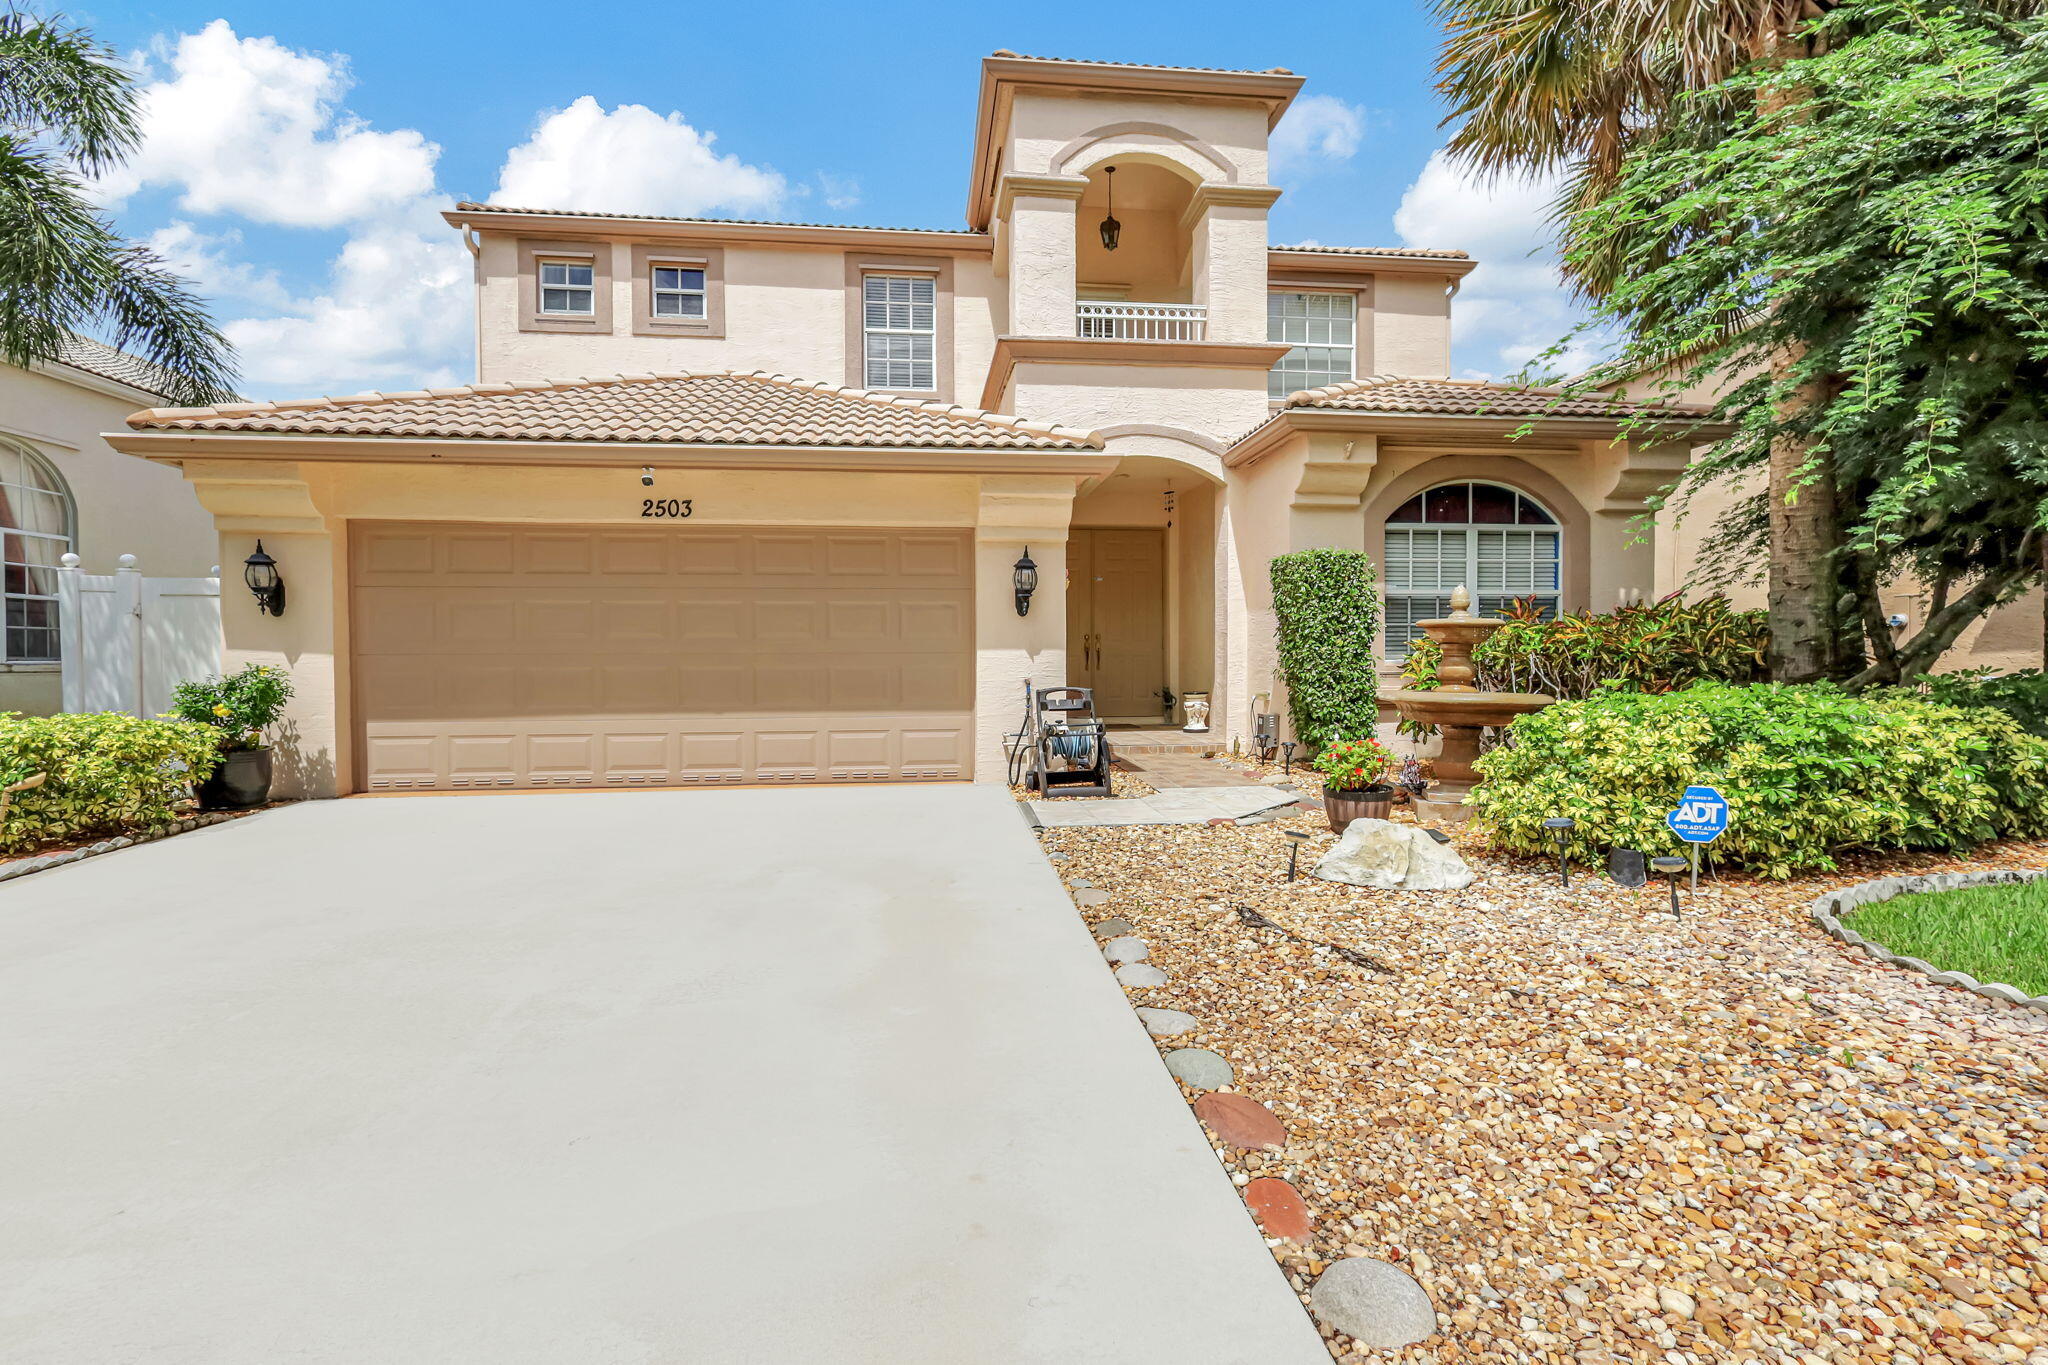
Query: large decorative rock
point(1391, 857)
point(1373, 1303)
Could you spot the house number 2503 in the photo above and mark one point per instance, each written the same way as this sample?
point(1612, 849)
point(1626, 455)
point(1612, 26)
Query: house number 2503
point(665, 507)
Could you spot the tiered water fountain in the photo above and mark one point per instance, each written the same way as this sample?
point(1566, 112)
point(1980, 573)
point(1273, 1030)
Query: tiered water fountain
point(1458, 709)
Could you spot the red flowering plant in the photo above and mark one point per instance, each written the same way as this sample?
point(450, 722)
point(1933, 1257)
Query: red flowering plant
point(1354, 764)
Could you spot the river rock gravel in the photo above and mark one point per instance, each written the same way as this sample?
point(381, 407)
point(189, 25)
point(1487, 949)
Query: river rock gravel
point(1595, 1134)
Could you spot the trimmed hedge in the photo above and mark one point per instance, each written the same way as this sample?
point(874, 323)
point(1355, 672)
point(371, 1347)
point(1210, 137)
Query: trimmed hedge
point(1326, 605)
point(107, 773)
point(1808, 772)
point(2022, 694)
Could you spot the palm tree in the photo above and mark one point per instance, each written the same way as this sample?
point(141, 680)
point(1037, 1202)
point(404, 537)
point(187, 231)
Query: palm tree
point(67, 112)
point(1566, 87)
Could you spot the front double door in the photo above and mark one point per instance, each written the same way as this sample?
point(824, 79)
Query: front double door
point(1116, 620)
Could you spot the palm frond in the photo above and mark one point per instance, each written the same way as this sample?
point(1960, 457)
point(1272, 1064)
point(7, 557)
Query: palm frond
point(57, 83)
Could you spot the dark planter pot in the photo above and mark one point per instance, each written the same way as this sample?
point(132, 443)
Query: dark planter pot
point(241, 780)
point(1359, 803)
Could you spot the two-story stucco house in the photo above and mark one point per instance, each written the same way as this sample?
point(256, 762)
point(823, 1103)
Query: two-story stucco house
point(743, 502)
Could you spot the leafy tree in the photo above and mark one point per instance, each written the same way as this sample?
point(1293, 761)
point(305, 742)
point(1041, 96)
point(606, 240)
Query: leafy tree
point(1863, 234)
point(1573, 87)
point(67, 111)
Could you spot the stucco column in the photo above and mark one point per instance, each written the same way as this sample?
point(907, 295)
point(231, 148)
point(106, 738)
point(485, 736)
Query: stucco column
point(1624, 552)
point(1039, 211)
point(1226, 226)
point(1016, 512)
point(273, 503)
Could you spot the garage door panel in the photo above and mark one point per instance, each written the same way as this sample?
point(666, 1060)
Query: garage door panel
point(497, 656)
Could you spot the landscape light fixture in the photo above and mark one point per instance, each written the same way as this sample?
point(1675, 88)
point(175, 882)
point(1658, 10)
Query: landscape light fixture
point(1111, 228)
point(1024, 577)
point(1287, 766)
point(1295, 839)
point(1561, 827)
point(1670, 867)
point(259, 571)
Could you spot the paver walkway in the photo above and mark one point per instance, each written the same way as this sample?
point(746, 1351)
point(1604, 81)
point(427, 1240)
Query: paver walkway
point(1169, 806)
point(751, 1076)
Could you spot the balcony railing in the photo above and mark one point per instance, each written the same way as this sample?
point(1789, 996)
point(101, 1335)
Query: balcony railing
point(1104, 321)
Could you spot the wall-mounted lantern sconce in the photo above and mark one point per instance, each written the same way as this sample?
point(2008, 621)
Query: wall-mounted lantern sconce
point(1111, 228)
point(1025, 578)
point(259, 571)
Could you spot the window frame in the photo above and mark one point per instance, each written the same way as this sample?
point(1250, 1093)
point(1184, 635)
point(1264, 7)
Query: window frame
point(56, 486)
point(869, 331)
point(532, 251)
point(1482, 602)
point(541, 262)
point(938, 269)
point(655, 293)
point(1358, 308)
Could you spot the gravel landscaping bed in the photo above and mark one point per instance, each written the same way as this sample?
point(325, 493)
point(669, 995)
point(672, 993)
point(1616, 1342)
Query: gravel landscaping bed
point(1594, 1134)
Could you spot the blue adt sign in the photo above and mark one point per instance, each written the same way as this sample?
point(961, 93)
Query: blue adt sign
point(1701, 817)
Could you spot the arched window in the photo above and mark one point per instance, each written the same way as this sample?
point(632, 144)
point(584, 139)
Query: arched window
point(36, 528)
point(1499, 543)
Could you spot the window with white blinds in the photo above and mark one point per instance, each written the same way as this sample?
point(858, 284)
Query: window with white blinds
point(1323, 330)
point(900, 325)
point(36, 523)
point(1500, 544)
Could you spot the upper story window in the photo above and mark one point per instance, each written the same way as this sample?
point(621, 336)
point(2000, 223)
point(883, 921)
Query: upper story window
point(35, 523)
point(1323, 330)
point(899, 321)
point(679, 291)
point(1496, 542)
point(568, 287)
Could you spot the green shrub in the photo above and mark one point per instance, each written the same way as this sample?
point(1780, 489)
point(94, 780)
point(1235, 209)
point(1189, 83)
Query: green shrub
point(239, 706)
point(1327, 607)
point(2023, 694)
point(1808, 772)
point(1657, 647)
point(107, 773)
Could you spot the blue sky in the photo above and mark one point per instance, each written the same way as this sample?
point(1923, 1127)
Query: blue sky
point(296, 154)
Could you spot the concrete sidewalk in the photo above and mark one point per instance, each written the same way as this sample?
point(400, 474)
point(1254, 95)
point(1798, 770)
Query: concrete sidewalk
point(763, 1076)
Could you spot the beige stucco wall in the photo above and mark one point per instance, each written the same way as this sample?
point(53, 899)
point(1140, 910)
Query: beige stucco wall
point(786, 311)
point(123, 505)
point(1410, 326)
point(302, 513)
point(1215, 402)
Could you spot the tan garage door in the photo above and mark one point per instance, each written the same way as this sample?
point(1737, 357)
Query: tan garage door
point(493, 656)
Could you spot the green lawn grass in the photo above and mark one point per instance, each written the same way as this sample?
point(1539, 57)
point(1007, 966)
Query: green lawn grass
point(1995, 933)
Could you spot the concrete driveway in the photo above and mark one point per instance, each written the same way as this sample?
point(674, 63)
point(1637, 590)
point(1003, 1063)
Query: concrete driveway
point(763, 1076)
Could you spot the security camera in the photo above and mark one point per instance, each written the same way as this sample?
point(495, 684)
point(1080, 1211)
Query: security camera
point(647, 477)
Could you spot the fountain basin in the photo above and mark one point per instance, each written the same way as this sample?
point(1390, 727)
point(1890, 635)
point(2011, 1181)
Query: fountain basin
point(1460, 717)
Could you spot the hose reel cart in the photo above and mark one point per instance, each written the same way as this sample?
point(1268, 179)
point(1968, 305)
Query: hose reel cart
point(1063, 748)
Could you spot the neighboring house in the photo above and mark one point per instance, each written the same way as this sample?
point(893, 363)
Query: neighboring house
point(742, 502)
point(63, 489)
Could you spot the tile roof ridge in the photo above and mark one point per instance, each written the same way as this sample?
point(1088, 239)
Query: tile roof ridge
point(482, 388)
point(931, 405)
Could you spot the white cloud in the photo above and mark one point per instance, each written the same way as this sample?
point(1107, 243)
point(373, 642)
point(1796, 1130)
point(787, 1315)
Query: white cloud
point(631, 160)
point(1316, 127)
point(207, 260)
point(250, 127)
point(393, 313)
point(1514, 305)
point(840, 191)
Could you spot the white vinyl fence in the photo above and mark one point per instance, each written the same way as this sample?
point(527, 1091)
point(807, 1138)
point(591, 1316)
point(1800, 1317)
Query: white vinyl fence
point(128, 640)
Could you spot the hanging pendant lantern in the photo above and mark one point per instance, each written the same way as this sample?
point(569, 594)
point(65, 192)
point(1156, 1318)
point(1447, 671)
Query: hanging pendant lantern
point(1110, 226)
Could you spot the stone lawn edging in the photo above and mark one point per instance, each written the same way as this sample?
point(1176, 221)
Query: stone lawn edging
point(1824, 910)
point(21, 867)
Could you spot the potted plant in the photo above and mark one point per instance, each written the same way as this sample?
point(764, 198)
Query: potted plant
point(1353, 787)
point(241, 706)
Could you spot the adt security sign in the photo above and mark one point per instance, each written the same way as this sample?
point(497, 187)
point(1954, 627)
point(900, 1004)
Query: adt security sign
point(1701, 817)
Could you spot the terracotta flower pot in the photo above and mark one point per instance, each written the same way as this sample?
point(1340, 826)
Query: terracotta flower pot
point(1359, 803)
point(241, 780)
